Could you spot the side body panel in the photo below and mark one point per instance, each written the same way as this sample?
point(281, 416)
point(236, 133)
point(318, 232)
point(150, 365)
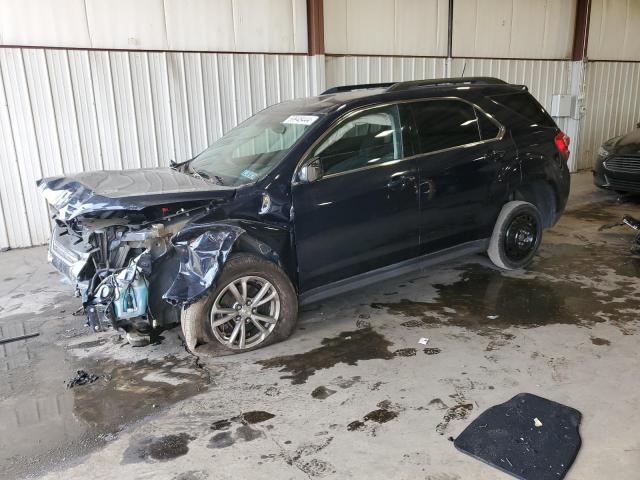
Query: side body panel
point(356, 222)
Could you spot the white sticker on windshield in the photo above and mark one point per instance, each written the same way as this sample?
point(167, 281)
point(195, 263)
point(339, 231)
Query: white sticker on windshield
point(301, 119)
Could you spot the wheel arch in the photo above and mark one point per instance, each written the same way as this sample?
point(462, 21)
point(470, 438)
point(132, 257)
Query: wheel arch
point(203, 249)
point(540, 193)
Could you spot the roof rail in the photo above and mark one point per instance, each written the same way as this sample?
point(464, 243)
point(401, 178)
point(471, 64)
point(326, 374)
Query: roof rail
point(436, 82)
point(348, 88)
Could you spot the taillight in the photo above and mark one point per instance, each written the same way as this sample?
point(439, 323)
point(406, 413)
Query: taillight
point(562, 143)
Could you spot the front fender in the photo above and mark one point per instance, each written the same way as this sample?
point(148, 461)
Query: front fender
point(202, 250)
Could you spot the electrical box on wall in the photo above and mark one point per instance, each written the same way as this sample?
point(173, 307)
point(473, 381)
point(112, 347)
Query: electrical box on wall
point(561, 105)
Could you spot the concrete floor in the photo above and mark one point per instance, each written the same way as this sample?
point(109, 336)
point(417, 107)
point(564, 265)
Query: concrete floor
point(566, 329)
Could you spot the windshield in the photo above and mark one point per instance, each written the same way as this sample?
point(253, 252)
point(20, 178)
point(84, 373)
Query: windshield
point(252, 149)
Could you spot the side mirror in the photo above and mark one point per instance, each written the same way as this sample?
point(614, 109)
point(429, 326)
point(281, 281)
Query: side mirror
point(311, 172)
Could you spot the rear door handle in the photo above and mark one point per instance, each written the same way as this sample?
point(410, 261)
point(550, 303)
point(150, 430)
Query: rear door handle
point(495, 155)
point(400, 183)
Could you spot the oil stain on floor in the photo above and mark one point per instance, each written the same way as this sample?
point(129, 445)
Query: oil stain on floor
point(161, 449)
point(347, 347)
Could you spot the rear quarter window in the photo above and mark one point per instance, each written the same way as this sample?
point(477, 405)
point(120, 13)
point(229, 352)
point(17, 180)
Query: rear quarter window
point(525, 106)
point(444, 124)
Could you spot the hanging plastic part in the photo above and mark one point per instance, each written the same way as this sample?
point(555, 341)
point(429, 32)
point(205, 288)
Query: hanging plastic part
point(132, 290)
point(202, 251)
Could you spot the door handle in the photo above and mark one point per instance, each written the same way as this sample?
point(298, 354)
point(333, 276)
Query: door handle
point(495, 155)
point(400, 183)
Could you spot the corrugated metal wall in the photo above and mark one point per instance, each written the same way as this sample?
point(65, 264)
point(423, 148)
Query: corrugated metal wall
point(612, 101)
point(64, 111)
point(350, 70)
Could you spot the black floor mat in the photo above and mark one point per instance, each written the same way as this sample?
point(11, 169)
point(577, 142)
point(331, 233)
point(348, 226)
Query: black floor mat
point(506, 437)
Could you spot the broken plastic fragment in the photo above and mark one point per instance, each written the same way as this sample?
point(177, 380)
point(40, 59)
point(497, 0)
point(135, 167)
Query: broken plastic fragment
point(423, 341)
point(492, 317)
point(537, 422)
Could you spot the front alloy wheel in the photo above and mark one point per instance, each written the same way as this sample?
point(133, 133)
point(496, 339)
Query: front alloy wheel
point(251, 305)
point(245, 312)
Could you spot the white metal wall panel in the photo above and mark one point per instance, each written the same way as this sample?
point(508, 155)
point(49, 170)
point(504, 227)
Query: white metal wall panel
point(350, 70)
point(44, 22)
point(65, 111)
point(14, 227)
point(276, 26)
point(85, 108)
point(612, 100)
point(513, 28)
point(25, 142)
point(614, 30)
point(200, 24)
point(386, 27)
point(127, 24)
point(270, 25)
point(143, 109)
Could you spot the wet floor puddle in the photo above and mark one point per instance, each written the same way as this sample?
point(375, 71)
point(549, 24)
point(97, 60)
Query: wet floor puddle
point(566, 285)
point(347, 347)
point(43, 423)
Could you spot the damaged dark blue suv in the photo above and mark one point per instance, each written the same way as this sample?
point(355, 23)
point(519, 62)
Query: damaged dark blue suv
point(308, 199)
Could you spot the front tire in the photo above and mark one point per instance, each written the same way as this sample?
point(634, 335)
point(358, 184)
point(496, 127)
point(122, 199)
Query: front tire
point(252, 305)
point(516, 235)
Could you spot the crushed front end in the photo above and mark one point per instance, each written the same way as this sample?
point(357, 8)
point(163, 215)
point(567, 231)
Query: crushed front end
point(115, 239)
point(111, 262)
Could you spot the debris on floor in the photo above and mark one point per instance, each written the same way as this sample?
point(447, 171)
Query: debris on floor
point(505, 437)
point(20, 337)
point(423, 341)
point(82, 378)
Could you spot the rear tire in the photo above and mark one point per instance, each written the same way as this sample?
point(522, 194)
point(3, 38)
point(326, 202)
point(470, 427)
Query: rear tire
point(516, 235)
point(227, 316)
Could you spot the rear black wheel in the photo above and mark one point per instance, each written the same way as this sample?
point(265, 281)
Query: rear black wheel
point(516, 235)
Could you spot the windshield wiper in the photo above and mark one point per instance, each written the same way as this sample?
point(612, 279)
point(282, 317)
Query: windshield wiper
point(205, 176)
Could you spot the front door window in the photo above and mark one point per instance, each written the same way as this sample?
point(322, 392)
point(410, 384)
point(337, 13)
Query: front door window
point(370, 138)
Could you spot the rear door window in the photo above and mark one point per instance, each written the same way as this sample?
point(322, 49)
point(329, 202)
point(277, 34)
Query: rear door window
point(368, 139)
point(443, 124)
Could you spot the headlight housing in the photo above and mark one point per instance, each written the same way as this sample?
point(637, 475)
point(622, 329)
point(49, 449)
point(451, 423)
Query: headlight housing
point(603, 152)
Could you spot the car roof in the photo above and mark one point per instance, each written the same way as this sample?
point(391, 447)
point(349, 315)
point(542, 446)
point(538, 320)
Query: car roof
point(347, 96)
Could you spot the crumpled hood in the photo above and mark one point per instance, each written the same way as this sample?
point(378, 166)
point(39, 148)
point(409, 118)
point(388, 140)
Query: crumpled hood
point(106, 191)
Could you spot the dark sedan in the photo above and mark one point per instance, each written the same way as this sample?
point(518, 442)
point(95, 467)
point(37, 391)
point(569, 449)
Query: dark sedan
point(618, 164)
